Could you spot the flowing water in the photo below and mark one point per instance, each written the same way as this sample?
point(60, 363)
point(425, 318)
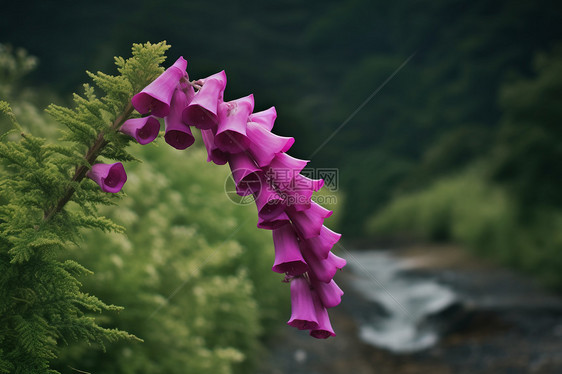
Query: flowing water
point(429, 310)
point(402, 305)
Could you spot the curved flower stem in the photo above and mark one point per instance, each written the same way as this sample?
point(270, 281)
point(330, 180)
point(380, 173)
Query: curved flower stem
point(197, 84)
point(91, 155)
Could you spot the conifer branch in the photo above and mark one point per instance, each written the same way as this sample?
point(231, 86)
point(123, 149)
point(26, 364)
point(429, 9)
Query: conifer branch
point(90, 157)
point(41, 304)
point(7, 110)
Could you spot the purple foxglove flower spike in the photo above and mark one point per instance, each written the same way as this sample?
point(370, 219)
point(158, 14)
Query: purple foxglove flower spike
point(273, 223)
point(144, 130)
point(156, 97)
point(322, 244)
point(177, 134)
point(266, 118)
point(323, 270)
point(202, 110)
point(309, 222)
point(330, 293)
point(288, 257)
point(303, 314)
point(231, 131)
point(110, 177)
point(245, 173)
point(264, 145)
point(214, 154)
point(268, 202)
point(324, 329)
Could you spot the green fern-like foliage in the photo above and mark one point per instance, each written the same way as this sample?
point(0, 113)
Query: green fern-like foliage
point(45, 200)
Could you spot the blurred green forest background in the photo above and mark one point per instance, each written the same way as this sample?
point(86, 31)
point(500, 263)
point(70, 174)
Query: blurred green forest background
point(481, 91)
point(464, 143)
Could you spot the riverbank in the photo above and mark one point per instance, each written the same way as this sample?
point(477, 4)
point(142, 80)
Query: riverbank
point(503, 323)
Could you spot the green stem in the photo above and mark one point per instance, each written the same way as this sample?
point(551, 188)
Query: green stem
point(90, 157)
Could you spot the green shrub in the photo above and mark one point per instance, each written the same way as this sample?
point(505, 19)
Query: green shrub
point(484, 218)
point(431, 214)
point(193, 273)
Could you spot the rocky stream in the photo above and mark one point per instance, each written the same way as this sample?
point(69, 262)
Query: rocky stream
point(428, 309)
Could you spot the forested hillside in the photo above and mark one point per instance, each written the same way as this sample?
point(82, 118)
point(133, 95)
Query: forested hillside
point(318, 61)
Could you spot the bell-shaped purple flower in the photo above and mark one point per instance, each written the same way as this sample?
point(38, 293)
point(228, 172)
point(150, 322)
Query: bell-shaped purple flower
point(283, 169)
point(288, 257)
point(330, 293)
point(274, 222)
point(309, 222)
point(156, 97)
point(177, 134)
point(266, 118)
point(303, 313)
point(324, 329)
point(144, 130)
point(299, 193)
point(245, 173)
point(110, 177)
point(322, 244)
point(304, 183)
point(214, 154)
point(268, 202)
point(202, 111)
point(264, 145)
point(322, 269)
point(231, 131)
